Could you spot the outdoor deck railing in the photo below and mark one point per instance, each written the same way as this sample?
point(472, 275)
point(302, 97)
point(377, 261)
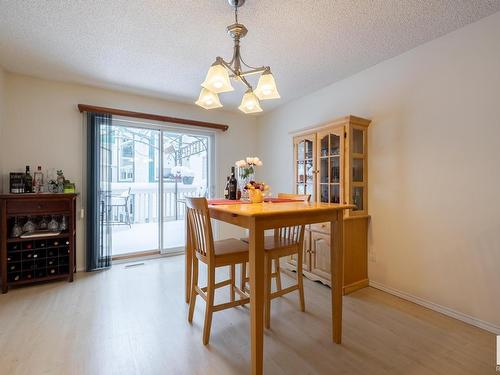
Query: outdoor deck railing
point(143, 202)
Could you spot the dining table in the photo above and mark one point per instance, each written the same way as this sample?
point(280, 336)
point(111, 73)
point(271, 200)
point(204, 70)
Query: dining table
point(259, 217)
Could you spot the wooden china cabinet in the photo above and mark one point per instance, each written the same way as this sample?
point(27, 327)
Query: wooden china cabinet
point(330, 163)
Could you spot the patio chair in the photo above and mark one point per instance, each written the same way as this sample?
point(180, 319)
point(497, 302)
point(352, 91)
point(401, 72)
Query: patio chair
point(121, 201)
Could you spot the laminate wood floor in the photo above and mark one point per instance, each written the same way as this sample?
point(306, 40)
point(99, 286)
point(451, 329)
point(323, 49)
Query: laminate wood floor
point(134, 321)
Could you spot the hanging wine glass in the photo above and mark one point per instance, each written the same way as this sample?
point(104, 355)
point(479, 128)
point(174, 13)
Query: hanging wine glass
point(53, 225)
point(43, 225)
point(63, 225)
point(29, 226)
point(17, 230)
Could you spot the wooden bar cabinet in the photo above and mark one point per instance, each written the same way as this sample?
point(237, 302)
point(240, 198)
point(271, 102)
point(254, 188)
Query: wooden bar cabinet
point(46, 256)
point(331, 164)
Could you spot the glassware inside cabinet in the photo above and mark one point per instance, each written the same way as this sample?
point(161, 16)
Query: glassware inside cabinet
point(357, 198)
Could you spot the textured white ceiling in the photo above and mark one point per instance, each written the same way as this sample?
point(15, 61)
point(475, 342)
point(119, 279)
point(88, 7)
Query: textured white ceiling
point(164, 48)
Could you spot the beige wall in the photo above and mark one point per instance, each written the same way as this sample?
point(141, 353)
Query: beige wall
point(44, 127)
point(434, 172)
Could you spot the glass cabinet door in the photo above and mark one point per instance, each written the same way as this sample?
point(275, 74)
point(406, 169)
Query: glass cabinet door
point(304, 165)
point(330, 162)
point(358, 168)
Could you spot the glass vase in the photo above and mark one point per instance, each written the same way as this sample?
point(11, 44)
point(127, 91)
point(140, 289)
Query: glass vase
point(245, 175)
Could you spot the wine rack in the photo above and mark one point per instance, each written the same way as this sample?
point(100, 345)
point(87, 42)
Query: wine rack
point(49, 255)
point(36, 260)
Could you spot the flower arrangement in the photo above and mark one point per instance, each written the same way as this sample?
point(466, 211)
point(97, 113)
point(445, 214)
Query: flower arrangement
point(247, 167)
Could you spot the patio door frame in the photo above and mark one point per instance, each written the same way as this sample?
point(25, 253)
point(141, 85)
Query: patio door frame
point(171, 128)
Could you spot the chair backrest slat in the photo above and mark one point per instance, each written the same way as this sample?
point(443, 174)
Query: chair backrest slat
point(200, 226)
point(293, 234)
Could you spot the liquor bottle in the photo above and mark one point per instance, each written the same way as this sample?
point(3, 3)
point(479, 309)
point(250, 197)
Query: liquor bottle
point(233, 186)
point(28, 181)
point(38, 180)
point(226, 189)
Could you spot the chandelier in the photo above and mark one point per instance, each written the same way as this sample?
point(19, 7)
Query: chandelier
point(218, 79)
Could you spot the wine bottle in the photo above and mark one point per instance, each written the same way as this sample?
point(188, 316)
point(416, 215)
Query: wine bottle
point(28, 181)
point(226, 189)
point(233, 186)
point(38, 180)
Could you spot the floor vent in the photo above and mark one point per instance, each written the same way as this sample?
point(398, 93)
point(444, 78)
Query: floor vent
point(134, 265)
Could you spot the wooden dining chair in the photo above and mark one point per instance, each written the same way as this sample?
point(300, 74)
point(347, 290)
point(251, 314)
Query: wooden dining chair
point(286, 241)
point(214, 254)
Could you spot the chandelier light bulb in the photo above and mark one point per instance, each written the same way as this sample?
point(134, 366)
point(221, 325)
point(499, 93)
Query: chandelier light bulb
point(208, 99)
point(250, 103)
point(217, 79)
point(266, 88)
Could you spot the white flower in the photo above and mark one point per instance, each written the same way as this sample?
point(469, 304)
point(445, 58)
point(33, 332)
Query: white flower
point(241, 163)
point(253, 160)
point(258, 163)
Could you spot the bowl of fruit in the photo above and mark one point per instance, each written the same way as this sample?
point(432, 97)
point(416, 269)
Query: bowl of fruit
point(256, 191)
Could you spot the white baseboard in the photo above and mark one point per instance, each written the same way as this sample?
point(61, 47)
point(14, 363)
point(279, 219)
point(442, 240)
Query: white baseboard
point(441, 309)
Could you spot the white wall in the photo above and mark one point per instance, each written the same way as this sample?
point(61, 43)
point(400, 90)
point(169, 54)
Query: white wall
point(434, 172)
point(43, 127)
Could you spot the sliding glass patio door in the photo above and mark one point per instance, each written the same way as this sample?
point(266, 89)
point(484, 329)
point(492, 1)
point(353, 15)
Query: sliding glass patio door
point(186, 166)
point(152, 168)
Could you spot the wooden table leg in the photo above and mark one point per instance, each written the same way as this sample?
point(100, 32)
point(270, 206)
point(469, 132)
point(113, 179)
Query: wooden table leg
point(256, 249)
point(189, 260)
point(337, 272)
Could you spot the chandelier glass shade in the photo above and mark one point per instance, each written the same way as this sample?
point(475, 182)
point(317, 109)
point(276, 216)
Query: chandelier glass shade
point(266, 88)
point(250, 103)
point(218, 79)
point(208, 99)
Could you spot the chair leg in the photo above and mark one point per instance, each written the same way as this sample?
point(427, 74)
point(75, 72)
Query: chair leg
point(267, 291)
point(194, 282)
point(210, 304)
point(243, 277)
point(300, 281)
point(127, 216)
point(232, 276)
point(278, 273)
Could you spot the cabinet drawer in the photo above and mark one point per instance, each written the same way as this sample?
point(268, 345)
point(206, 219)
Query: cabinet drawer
point(321, 227)
point(34, 206)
